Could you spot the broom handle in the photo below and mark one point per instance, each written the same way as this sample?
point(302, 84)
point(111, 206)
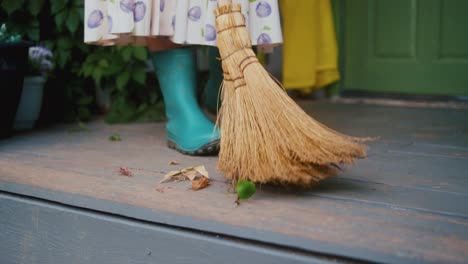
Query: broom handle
point(224, 2)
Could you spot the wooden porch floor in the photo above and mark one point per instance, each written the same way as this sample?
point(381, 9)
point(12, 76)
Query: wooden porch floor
point(406, 203)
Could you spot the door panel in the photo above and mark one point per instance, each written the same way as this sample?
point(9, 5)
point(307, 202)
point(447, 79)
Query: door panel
point(407, 46)
point(453, 30)
point(390, 37)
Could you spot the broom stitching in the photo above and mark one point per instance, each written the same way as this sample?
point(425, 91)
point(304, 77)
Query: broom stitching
point(226, 78)
point(234, 52)
point(242, 68)
point(245, 59)
point(239, 86)
point(224, 29)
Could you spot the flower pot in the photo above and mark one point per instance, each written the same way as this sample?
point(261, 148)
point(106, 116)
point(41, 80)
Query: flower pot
point(13, 62)
point(30, 103)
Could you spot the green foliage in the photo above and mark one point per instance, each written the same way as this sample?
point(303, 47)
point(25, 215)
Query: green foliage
point(245, 189)
point(79, 68)
point(117, 67)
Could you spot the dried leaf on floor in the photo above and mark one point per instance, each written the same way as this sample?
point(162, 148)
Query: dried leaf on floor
point(200, 183)
point(161, 190)
point(194, 173)
point(173, 162)
point(172, 176)
point(125, 171)
point(202, 170)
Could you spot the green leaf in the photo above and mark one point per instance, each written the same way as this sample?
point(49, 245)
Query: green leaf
point(87, 70)
point(139, 75)
point(35, 6)
point(64, 43)
point(78, 3)
point(62, 57)
point(33, 33)
point(97, 75)
point(80, 127)
point(126, 53)
point(115, 137)
point(245, 189)
point(103, 63)
point(85, 100)
point(140, 53)
point(122, 80)
point(60, 19)
point(73, 20)
point(58, 5)
point(12, 5)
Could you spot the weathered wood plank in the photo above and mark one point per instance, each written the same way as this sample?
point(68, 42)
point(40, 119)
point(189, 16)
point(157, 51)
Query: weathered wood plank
point(408, 202)
point(39, 232)
point(404, 124)
point(311, 223)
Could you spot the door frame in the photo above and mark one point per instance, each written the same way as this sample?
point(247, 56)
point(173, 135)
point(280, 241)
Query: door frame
point(338, 7)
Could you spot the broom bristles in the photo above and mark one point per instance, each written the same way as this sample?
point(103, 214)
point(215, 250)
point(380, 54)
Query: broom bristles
point(265, 136)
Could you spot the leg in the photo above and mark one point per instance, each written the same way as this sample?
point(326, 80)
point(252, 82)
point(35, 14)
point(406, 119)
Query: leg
point(211, 94)
point(188, 129)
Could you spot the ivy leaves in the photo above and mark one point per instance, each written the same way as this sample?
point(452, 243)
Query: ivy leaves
point(68, 14)
point(116, 66)
point(11, 6)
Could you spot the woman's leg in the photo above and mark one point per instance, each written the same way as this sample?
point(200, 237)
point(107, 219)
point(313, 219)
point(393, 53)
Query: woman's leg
point(188, 129)
point(210, 97)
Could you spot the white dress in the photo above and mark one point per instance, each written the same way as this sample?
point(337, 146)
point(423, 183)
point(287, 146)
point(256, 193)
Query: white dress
point(130, 22)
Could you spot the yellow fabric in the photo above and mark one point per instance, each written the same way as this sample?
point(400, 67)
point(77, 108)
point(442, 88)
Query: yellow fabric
point(310, 54)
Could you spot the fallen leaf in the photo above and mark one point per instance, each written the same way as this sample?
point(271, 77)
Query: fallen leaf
point(161, 190)
point(115, 137)
point(171, 176)
point(202, 171)
point(189, 173)
point(80, 127)
point(245, 190)
point(193, 173)
point(200, 183)
point(125, 171)
point(173, 162)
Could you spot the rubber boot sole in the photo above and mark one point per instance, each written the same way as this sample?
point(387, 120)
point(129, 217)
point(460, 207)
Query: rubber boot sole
point(209, 149)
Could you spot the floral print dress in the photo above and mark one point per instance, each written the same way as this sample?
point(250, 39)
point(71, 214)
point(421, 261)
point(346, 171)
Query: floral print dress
point(130, 22)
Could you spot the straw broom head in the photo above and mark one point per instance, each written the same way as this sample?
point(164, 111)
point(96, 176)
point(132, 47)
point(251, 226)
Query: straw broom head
point(266, 137)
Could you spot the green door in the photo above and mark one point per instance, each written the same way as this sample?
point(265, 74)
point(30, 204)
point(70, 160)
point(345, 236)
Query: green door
point(406, 46)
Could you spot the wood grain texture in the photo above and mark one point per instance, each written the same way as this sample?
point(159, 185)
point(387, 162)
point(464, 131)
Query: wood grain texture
point(408, 202)
point(41, 232)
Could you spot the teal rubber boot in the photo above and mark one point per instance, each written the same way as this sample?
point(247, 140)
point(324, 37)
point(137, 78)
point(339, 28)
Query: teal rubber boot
point(211, 94)
point(188, 129)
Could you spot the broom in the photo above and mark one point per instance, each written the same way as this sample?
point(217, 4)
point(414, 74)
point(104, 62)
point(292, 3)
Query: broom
point(265, 136)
